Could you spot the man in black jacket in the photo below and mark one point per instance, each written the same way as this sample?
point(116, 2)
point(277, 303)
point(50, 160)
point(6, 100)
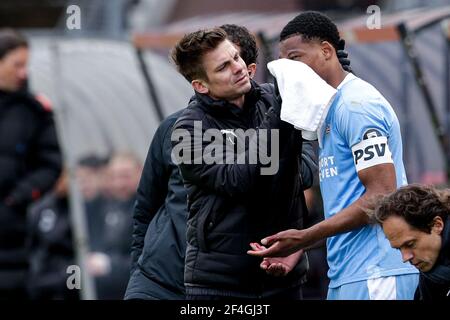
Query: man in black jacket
point(30, 160)
point(416, 221)
point(233, 199)
point(160, 216)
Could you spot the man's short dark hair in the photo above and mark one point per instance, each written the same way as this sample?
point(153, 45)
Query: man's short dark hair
point(11, 40)
point(312, 25)
point(189, 51)
point(246, 41)
point(417, 204)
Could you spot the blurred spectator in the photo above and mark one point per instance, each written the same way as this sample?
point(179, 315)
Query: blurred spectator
point(89, 174)
point(51, 246)
point(122, 176)
point(110, 228)
point(30, 159)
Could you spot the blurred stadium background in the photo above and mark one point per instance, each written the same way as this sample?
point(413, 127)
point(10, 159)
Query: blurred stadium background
point(99, 71)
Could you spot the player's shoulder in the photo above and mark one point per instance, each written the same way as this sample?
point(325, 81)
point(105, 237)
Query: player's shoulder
point(358, 92)
point(358, 97)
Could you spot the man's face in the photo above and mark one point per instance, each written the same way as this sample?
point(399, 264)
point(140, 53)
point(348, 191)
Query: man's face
point(251, 68)
point(228, 77)
point(88, 180)
point(13, 69)
point(418, 247)
point(310, 52)
point(123, 178)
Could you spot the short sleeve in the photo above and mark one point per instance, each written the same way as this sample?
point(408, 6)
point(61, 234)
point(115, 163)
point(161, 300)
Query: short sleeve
point(365, 129)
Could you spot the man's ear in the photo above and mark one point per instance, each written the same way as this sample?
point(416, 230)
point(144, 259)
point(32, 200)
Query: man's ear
point(200, 86)
point(327, 50)
point(438, 225)
point(251, 70)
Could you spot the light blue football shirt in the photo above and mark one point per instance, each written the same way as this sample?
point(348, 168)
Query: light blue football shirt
point(360, 130)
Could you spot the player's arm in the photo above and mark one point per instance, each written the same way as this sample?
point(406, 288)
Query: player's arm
point(377, 180)
point(375, 171)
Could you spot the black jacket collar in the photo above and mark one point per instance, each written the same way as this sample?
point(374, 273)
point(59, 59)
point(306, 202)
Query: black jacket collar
point(444, 255)
point(22, 94)
point(441, 271)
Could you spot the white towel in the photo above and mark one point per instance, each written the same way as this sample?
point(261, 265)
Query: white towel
point(306, 96)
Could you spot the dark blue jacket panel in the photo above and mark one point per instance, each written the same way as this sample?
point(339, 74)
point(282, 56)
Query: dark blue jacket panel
point(160, 215)
point(434, 285)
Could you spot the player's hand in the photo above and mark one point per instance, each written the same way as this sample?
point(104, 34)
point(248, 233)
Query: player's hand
point(284, 243)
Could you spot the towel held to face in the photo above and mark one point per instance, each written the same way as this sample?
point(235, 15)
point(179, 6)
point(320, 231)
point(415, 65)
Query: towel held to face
point(306, 97)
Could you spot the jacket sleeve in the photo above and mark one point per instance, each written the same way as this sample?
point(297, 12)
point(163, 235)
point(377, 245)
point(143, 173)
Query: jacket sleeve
point(309, 164)
point(309, 167)
point(234, 179)
point(44, 163)
point(151, 192)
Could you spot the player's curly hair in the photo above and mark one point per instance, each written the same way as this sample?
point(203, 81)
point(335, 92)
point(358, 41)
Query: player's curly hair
point(417, 204)
point(246, 41)
point(313, 25)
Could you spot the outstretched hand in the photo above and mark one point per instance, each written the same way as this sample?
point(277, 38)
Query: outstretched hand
point(283, 243)
point(277, 266)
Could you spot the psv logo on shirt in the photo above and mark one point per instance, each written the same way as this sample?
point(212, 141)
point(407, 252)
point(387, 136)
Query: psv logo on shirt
point(371, 151)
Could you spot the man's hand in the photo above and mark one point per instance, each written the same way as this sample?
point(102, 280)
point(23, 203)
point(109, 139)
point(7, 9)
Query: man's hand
point(284, 243)
point(98, 264)
point(277, 98)
point(277, 266)
point(343, 56)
